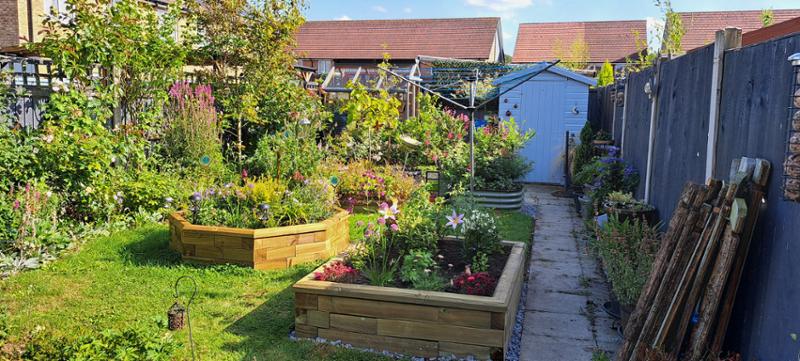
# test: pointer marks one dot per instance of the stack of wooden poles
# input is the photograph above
(685, 307)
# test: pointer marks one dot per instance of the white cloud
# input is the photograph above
(507, 35)
(407, 10)
(500, 5)
(380, 9)
(344, 17)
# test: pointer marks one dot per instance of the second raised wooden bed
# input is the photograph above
(412, 322)
(263, 249)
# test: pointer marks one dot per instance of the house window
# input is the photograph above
(324, 66)
(58, 5)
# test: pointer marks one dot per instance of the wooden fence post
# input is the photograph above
(654, 85)
(728, 38)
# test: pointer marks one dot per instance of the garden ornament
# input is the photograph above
(176, 313)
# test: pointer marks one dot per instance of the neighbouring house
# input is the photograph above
(354, 44)
(700, 27)
(592, 42)
(22, 20)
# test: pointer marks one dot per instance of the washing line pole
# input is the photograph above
(473, 89)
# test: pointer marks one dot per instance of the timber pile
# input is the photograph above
(686, 304)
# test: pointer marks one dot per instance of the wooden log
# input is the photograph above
(358, 324)
(653, 310)
(690, 193)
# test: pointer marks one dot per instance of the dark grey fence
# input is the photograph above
(755, 95)
(32, 82)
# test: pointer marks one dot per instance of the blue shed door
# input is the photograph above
(543, 112)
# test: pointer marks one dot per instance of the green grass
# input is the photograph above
(115, 281)
(515, 226)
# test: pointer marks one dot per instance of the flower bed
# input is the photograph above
(409, 321)
(267, 248)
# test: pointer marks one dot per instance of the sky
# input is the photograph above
(514, 12)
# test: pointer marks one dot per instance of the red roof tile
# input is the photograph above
(701, 26)
(607, 40)
(469, 38)
(771, 32)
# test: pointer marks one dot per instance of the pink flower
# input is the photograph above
(244, 173)
(381, 221)
(16, 204)
(394, 227)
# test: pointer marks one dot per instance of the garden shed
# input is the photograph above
(551, 103)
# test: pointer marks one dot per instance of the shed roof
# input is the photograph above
(522, 74)
(606, 40)
(464, 38)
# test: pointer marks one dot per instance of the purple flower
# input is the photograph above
(195, 197)
(613, 151)
(630, 171)
(381, 221)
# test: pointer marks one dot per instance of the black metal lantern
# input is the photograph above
(176, 316)
(791, 166)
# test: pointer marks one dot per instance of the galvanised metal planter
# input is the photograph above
(500, 200)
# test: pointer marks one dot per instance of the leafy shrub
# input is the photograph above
(421, 271)
(583, 153)
(420, 226)
(501, 173)
(337, 272)
(287, 155)
(627, 249)
(30, 227)
(256, 205)
(191, 130)
(622, 200)
(135, 344)
(608, 174)
(476, 284)
(480, 234)
(17, 157)
(147, 190)
(365, 183)
(437, 130)
(372, 120)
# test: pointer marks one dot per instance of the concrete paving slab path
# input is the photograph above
(564, 320)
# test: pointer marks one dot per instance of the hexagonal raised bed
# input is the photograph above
(413, 322)
(267, 248)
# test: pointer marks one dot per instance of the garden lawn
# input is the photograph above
(119, 280)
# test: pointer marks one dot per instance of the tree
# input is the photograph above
(606, 74)
(248, 45)
(576, 57)
(673, 29)
(767, 17)
(121, 52)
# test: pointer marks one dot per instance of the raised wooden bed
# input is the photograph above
(268, 248)
(412, 322)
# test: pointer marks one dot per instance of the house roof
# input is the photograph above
(606, 40)
(771, 32)
(535, 68)
(700, 27)
(467, 38)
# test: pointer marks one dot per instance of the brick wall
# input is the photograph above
(9, 24)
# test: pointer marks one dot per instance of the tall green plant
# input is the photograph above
(606, 74)
(249, 46)
(192, 132)
(583, 152)
(767, 17)
(671, 42)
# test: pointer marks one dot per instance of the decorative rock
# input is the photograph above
(797, 98)
(791, 195)
(796, 121)
(792, 185)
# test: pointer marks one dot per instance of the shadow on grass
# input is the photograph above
(152, 249)
(264, 330)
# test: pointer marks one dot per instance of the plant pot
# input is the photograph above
(586, 207)
(417, 323)
(500, 200)
(262, 249)
(648, 215)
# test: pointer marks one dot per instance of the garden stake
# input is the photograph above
(188, 304)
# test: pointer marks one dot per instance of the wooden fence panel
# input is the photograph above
(682, 127)
(637, 124)
(753, 120)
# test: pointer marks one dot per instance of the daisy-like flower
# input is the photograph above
(388, 212)
(455, 219)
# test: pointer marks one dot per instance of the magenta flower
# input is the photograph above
(394, 227)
